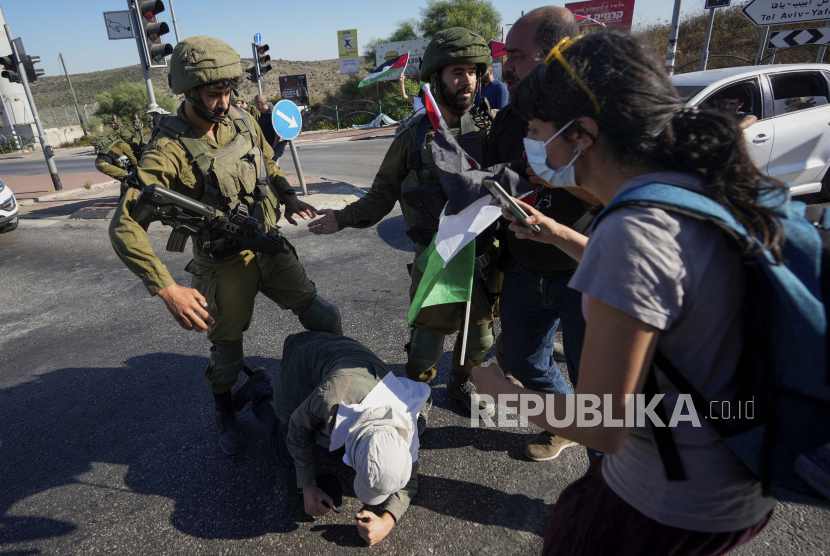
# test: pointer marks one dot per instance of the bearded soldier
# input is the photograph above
(216, 154)
(453, 64)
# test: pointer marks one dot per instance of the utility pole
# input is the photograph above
(175, 22)
(74, 98)
(47, 150)
(674, 32)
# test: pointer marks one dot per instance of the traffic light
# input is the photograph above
(151, 32)
(263, 59)
(28, 61)
(9, 69)
(252, 73)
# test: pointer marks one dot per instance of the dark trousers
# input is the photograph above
(275, 431)
(531, 307)
(589, 518)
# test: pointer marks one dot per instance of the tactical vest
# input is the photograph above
(473, 139)
(103, 147)
(232, 174)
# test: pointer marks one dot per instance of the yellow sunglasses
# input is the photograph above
(556, 52)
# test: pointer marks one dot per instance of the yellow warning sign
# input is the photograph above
(347, 43)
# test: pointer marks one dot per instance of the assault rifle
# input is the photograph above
(216, 234)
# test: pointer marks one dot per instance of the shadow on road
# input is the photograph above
(393, 232)
(154, 418)
(147, 428)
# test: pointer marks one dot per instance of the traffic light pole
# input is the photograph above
(148, 82)
(74, 98)
(674, 32)
(256, 65)
(47, 150)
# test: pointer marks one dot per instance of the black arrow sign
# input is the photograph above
(781, 39)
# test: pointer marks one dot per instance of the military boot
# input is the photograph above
(242, 395)
(460, 387)
(230, 441)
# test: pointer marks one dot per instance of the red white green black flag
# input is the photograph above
(385, 69)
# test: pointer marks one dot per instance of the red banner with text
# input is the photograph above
(611, 13)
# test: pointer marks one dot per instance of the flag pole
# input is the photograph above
(464, 333)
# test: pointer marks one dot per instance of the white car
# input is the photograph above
(8, 209)
(791, 139)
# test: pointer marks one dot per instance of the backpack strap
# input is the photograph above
(662, 435)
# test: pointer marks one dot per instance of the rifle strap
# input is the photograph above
(416, 160)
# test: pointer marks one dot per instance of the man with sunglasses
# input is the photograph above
(535, 296)
(216, 154)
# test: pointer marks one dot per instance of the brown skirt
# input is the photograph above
(589, 519)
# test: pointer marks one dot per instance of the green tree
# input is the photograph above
(126, 99)
(476, 15)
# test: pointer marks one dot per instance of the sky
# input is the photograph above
(296, 30)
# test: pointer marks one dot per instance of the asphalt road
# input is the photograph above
(106, 426)
(353, 162)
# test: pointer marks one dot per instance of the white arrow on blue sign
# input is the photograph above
(287, 119)
(257, 38)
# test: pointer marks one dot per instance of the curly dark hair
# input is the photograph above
(642, 119)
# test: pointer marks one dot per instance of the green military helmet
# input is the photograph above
(126, 133)
(456, 45)
(201, 60)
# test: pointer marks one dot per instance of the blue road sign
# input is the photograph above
(286, 119)
(257, 38)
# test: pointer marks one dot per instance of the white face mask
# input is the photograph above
(537, 156)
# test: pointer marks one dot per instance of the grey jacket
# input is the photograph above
(320, 371)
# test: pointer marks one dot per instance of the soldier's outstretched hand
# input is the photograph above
(295, 206)
(187, 306)
(325, 225)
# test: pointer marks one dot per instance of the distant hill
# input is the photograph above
(52, 90)
(733, 34)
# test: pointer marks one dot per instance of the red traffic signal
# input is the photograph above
(151, 32)
(148, 9)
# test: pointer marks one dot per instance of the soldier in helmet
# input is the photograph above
(453, 63)
(134, 135)
(216, 154)
(109, 151)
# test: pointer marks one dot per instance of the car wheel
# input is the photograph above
(824, 194)
(10, 226)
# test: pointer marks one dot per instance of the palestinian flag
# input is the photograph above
(444, 281)
(386, 69)
(497, 50)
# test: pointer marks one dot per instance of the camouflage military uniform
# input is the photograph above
(408, 164)
(221, 173)
(110, 148)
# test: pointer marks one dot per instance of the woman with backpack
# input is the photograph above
(603, 116)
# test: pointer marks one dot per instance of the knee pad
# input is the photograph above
(425, 349)
(479, 340)
(322, 316)
(225, 365)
